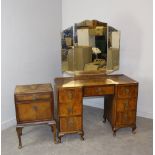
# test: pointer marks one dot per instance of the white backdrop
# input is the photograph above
(30, 47)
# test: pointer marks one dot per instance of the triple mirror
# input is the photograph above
(90, 47)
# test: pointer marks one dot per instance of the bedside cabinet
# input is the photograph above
(34, 105)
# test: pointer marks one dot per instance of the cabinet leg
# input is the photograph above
(82, 135)
(19, 134)
(53, 128)
(104, 119)
(59, 139)
(134, 130)
(114, 131)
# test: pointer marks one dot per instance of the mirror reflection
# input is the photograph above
(90, 46)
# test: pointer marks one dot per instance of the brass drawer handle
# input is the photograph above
(127, 90)
(34, 97)
(35, 108)
(70, 110)
(126, 117)
(71, 123)
(126, 104)
(70, 96)
(98, 90)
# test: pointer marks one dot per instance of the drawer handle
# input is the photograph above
(69, 110)
(34, 97)
(126, 117)
(35, 108)
(126, 90)
(98, 90)
(70, 96)
(126, 104)
(70, 123)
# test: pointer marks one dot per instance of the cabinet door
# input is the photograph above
(70, 124)
(34, 111)
(125, 118)
(126, 104)
(70, 101)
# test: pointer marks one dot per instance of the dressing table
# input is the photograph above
(120, 103)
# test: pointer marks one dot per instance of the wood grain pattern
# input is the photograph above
(98, 90)
(34, 111)
(34, 105)
(120, 104)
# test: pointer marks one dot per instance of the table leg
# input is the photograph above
(19, 134)
(53, 128)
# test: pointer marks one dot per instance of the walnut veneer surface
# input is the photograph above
(34, 105)
(120, 108)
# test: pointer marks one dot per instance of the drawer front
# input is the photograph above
(32, 97)
(126, 118)
(70, 124)
(36, 111)
(126, 104)
(98, 90)
(70, 101)
(127, 91)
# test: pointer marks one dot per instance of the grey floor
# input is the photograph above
(38, 140)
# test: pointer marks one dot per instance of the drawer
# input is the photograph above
(98, 90)
(70, 124)
(35, 111)
(126, 104)
(127, 91)
(30, 97)
(126, 118)
(70, 101)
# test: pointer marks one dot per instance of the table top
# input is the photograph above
(34, 88)
(96, 80)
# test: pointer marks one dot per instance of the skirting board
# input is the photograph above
(8, 123)
(145, 114)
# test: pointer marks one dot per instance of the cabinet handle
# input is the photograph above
(35, 108)
(126, 90)
(34, 97)
(126, 104)
(126, 117)
(70, 110)
(70, 123)
(98, 90)
(70, 96)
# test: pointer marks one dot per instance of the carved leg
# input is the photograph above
(104, 119)
(134, 129)
(82, 135)
(114, 131)
(59, 139)
(19, 134)
(53, 128)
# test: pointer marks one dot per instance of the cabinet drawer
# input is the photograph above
(70, 101)
(98, 90)
(126, 104)
(126, 118)
(35, 111)
(31, 97)
(127, 91)
(70, 124)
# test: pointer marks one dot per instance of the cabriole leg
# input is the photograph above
(19, 134)
(82, 135)
(53, 128)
